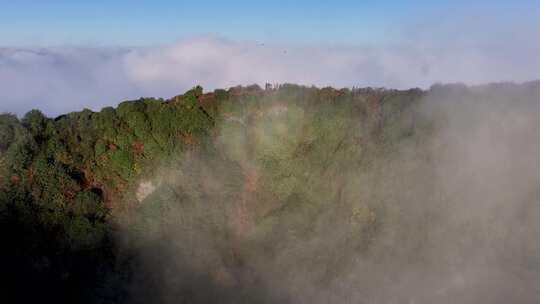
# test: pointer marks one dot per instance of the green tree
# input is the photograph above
(35, 122)
(7, 132)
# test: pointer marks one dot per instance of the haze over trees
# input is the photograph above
(285, 194)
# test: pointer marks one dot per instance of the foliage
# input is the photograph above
(63, 181)
(7, 125)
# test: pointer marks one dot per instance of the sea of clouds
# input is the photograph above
(62, 79)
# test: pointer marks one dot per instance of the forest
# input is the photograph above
(282, 194)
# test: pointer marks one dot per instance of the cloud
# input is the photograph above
(58, 80)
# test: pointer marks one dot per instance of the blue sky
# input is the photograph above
(136, 23)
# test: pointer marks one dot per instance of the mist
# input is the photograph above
(430, 199)
(353, 152)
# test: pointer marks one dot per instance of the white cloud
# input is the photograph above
(57, 80)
